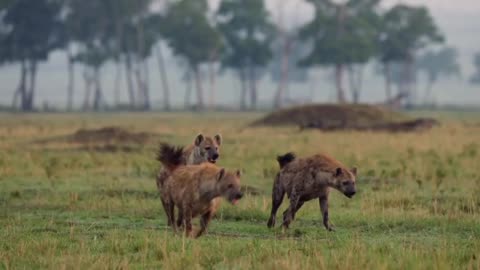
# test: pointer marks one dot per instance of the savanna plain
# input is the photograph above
(69, 204)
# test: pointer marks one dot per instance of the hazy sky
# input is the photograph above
(459, 20)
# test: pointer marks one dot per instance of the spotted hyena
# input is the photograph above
(203, 149)
(195, 189)
(304, 179)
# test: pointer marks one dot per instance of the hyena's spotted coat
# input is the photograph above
(203, 149)
(304, 179)
(195, 189)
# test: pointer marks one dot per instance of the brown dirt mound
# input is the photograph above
(109, 135)
(329, 116)
(419, 124)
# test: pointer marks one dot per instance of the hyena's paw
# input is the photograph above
(271, 222)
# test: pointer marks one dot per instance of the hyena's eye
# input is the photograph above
(230, 186)
(345, 183)
(207, 148)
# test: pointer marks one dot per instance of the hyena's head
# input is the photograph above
(208, 148)
(344, 181)
(228, 185)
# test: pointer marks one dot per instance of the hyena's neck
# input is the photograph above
(324, 178)
(208, 191)
(195, 157)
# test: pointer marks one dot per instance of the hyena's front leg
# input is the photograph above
(170, 211)
(166, 209)
(180, 217)
(204, 220)
(187, 220)
(324, 208)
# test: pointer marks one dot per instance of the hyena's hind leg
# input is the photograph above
(295, 205)
(180, 218)
(277, 197)
(169, 207)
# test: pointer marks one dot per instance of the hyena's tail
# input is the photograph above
(170, 156)
(285, 159)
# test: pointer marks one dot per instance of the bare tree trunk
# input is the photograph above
(142, 78)
(20, 92)
(311, 94)
(351, 80)
(121, 44)
(339, 83)
(198, 83)
(188, 90)
(428, 92)
(211, 73)
(141, 71)
(414, 82)
(253, 88)
(98, 96)
(243, 84)
(16, 96)
(355, 76)
(164, 78)
(128, 71)
(282, 86)
(88, 88)
(30, 93)
(117, 84)
(146, 85)
(388, 81)
(408, 81)
(71, 80)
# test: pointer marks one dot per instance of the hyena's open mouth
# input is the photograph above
(213, 161)
(234, 200)
(350, 194)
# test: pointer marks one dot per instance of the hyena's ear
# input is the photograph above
(354, 171)
(220, 174)
(338, 172)
(218, 139)
(199, 139)
(238, 173)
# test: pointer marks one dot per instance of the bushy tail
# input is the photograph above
(285, 159)
(170, 156)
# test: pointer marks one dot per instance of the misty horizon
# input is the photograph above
(458, 21)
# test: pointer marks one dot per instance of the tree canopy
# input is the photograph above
(238, 36)
(342, 34)
(248, 34)
(405, 30)
(31, 30)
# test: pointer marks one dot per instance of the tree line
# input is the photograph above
(239, 37)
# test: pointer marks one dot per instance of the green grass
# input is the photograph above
(64, 207)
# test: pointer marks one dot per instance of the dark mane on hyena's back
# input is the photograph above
(285, 159)
(170, 156)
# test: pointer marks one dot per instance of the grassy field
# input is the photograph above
(65, 206)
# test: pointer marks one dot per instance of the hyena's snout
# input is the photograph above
(235, 197)
(348, 188)
(350, 194)
(212, 156)
(350, 191)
